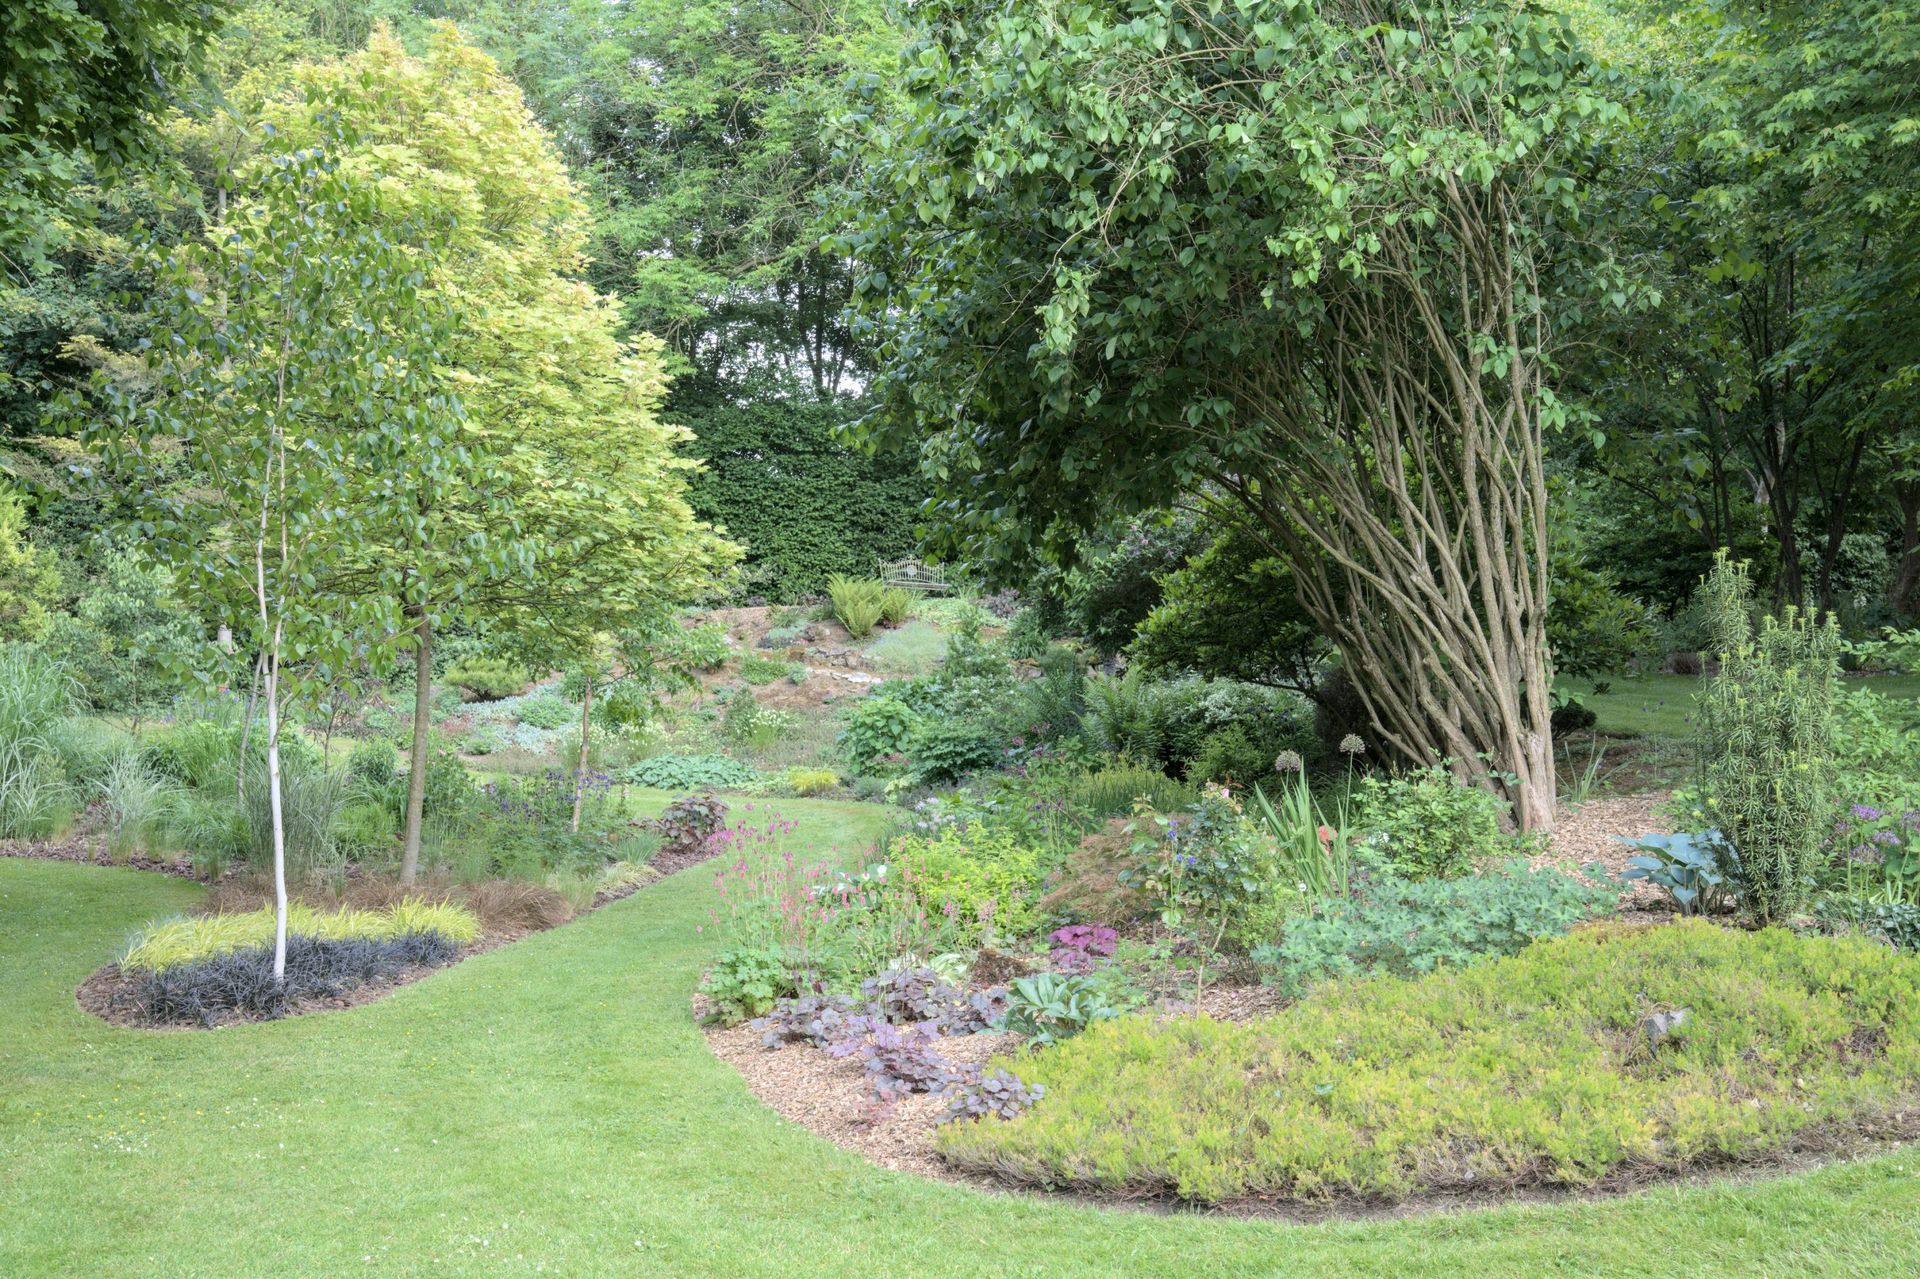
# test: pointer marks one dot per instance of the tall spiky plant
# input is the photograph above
(1765, 737)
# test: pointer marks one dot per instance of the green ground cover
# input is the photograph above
(550, 1108)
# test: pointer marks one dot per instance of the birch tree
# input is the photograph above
(291, 357)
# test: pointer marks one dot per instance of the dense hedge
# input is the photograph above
(802, 504)
(1544, 1068)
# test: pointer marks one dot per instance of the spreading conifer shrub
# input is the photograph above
(1611, 1050)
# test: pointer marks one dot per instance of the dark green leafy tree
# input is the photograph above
(703, 127)
(1232, 612)
(81, 85)
(1313, 257)
(1770, 192)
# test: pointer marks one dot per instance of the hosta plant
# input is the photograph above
(1696, 870)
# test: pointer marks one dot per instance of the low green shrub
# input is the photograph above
(1544, 1068)
(758, 670)
(484, 740)
(1114, 789)
(191, 938)
(946, 750)
(1897, 922)
(1426, 823)
(745, 981)
(878, 727)
(986, 881)
(201, 753)
(858, 603)
(372, 765)
(486, 679)
(895, 603)
(811, 781)
(690, 772)
(1408, 927)
(1048, 1007)
(139, 806)
(212, 829)
(914, 649)
(749, 725)
(365, 831)
(546, 710)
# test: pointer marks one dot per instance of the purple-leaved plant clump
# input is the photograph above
(1079, 948)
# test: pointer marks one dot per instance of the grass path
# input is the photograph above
(550, 1108)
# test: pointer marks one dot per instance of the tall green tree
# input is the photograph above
(553, 509)
(82, 83)
(1771, 192)
(292, 354)
(1309, 257)
(703, 127)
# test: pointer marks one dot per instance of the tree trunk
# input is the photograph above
(279, 821)
(417, 766)
(580, 773)
(1906, 577)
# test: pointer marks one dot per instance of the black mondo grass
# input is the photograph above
(241, 981)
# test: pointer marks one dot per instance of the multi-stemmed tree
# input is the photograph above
(1308, 258)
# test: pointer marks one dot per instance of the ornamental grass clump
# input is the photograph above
(1535, 1070)
(191, 939)
(1765, 741)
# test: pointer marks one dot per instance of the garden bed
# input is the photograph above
(507, 910)
(1760, 1087)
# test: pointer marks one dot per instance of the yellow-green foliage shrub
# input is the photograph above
(812, 781)
(184, 940)
(1534, 1069)
(986, 882)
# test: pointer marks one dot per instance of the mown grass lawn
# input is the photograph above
(1662, 705)
(550, 1108)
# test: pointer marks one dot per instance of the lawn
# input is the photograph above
(1662, 705)
(550, 1108)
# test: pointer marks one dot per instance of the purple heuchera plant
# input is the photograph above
(996, 1093)
(1078, 948)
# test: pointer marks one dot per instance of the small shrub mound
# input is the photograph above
(240, 982)
(1552, 1067)
(189, 940)
(684, 772)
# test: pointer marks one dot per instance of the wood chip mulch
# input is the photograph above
(1587, 834)
(82, 850)
(831, 1097)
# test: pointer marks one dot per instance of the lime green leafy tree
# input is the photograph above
(553, 508)
(1310, 257)
(29, 579)
(292, 356)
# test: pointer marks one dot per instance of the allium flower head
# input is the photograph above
(1288, 762)
(1352, 745)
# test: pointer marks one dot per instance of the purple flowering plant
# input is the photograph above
(1876, 848)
